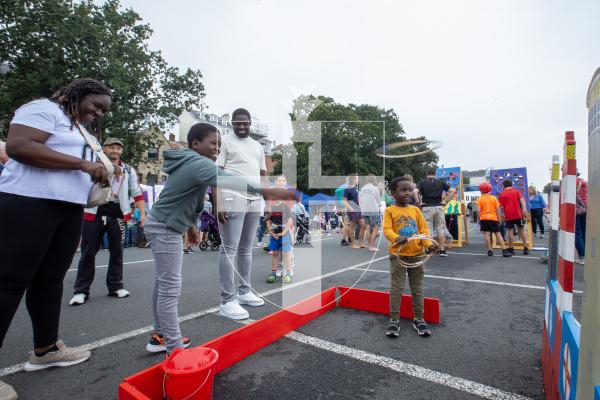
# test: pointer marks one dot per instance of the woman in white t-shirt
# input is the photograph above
(46, 184)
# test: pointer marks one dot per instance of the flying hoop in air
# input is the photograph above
(384, 151)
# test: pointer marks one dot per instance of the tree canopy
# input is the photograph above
(45, 44)
(351, 134)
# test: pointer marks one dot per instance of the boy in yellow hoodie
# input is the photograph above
(400, 222)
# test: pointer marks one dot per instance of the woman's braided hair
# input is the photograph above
(70, 97)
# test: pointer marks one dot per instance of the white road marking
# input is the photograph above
(415, 371)
(484, 254)
(453, 278)
(151, 259)
(125, 263)
(117, 338)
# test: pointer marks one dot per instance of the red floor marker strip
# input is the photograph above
(379, 302)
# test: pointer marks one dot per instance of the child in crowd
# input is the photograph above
(400, 222)
(191, 172)
(207, 210)
(515, 214)
(489, 219)
(281, 182)
(278, 226)
(452, 210)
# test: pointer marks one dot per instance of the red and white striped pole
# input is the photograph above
(566, 247)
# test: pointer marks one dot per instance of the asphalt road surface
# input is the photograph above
(488, 344)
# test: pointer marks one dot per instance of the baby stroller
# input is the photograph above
(209, 222)
(302, 233)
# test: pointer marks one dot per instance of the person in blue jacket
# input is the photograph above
(538, 205)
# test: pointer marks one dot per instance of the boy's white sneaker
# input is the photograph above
(250, 299)
(233, 310)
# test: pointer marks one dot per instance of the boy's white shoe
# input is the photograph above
(250, 299)
(233, 310)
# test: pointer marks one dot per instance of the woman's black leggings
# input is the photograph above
(537, 218)
(38, 239)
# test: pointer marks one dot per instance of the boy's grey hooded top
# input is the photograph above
(190, 175)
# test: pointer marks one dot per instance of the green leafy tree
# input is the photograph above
(45, 44)
(351, 134)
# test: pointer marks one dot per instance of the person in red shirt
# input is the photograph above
(515, 214)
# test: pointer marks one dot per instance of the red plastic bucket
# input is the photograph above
(189, 374)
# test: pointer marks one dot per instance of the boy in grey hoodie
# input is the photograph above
(191, 172)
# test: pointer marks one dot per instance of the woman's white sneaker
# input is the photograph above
(233, 310)
(250, 299)
(63, 357)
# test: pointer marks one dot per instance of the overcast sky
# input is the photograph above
(498, 82)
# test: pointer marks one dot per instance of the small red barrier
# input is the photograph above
(379, 302)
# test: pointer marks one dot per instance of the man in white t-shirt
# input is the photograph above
(370, 207)
(3, 156)
(238, 216)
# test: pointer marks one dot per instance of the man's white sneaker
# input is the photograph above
(119, 294)
(78, 299)
(7, 392)
(233, 310)
(250, 299)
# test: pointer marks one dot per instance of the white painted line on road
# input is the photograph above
(453, 278)
(125, 263)
(415, 371)
(484, 254)
(151, 259)
(117, 338)
(440, 378)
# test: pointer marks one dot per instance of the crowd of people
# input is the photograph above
(52, 168)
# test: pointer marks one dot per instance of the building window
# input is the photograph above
(152, 153)
(163, 178)
(151, 180)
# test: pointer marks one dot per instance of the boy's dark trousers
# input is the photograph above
(397, 281)
(91, 238)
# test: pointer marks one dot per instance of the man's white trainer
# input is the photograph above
(78, 299)
(233, 310)
(250, 299)
(120, 294)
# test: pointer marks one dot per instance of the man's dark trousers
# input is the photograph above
(91, 239)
